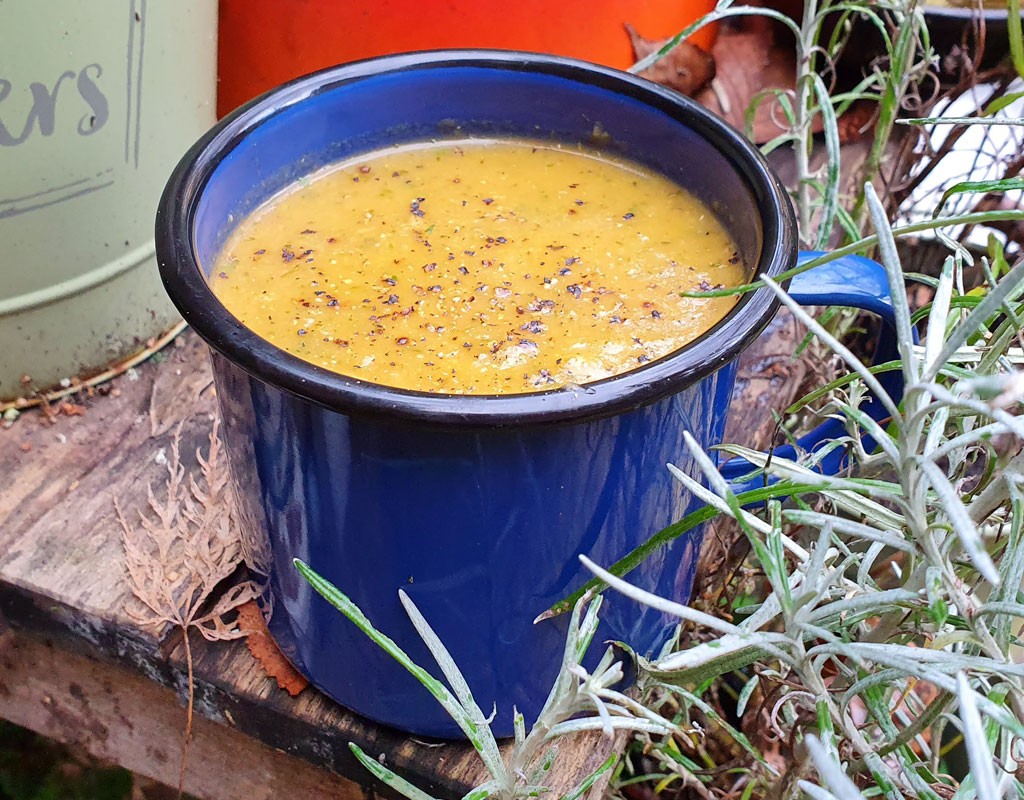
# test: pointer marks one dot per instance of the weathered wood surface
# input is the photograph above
(234, 690)
(62, 570)
(59, 538)
(116, 714)
(768, 379)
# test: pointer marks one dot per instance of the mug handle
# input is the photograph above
(856, 282)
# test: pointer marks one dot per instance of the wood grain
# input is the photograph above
(234, 688)
(61, 571)
(116, 714)
(59, 540)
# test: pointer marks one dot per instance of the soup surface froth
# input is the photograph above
(479, 267)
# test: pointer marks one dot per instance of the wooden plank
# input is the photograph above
(233, 688)
(59, 539)
(61, 568)
(768, 379)
(52, 687)
(61, 563)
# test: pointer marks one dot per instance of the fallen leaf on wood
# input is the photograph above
(49, 415)
(184, 544)
(266, 651)
(687, 68)
(180, 549)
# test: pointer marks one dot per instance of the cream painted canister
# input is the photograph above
(98, 101)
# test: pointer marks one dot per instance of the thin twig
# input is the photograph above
(45, 398)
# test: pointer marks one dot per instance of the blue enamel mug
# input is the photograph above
(476, 506)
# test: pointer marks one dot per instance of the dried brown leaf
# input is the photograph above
(687, 68)
(266, 651)
(751, 64)
(213, 626)
(69, 409)
(185, 544)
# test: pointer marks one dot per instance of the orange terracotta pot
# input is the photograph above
(266, 42)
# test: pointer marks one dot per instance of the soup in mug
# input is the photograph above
(479, 267)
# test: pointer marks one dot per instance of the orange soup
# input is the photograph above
(479, 267)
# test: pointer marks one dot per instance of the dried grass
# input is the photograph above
(184, 545)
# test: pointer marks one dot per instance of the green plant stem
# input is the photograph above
(919, 724)
(898, 78)
(804, 141)
(867, 243)
(1013, 25)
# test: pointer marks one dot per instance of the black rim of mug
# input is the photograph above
(187, 287)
